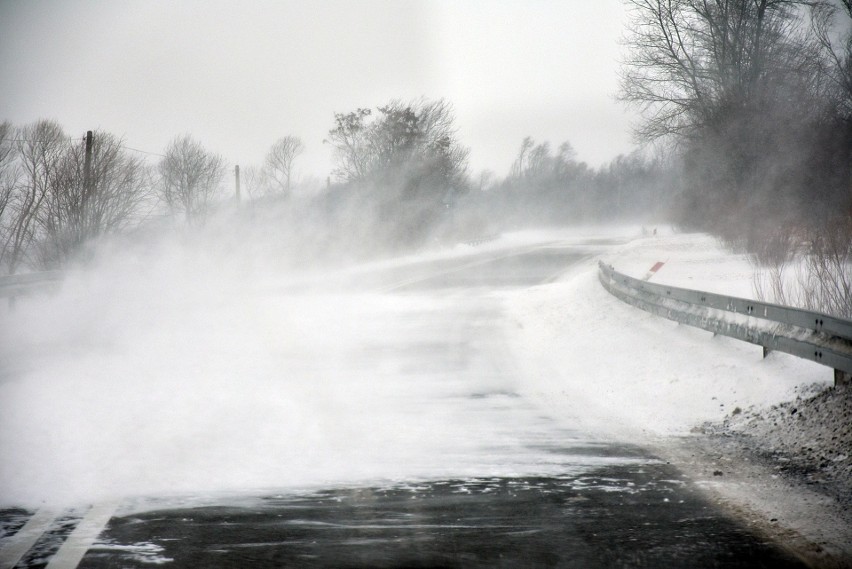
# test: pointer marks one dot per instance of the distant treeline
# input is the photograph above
(748, 103)
(552, 188)
(401, 181)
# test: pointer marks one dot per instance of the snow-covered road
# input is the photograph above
(139, 386)
(180, 381)
(179, 374)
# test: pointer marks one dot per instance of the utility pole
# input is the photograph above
(237, 176)
(87, 167)
(87, 177)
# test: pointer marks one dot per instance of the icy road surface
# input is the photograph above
(378, 416)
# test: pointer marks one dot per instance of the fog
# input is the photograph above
(197, 367)
(193, 365)
(371, 306)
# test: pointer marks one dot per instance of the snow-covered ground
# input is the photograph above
(183, 372)
(187, 368)
(641, 373)
(770, 438)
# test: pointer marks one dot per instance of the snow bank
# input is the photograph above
(589, 357)
(812, 432)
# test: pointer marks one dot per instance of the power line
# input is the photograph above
(68, 139)
(143, 151)
(76, 139)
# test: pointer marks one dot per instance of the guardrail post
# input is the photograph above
(842, 378)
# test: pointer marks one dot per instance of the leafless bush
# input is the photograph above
(772, 258)
(827, 278)
(813, 272)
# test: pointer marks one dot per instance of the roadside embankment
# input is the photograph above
(784, 467)
(768, 438)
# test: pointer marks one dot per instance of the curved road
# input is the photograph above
(512, 486)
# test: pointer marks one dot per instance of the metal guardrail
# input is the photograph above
(810, 335)
(12, 286)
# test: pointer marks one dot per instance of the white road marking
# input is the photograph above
(83, 536)
(17, 545)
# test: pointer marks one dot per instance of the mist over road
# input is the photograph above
(391, 430)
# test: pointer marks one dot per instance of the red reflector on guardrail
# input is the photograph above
(653, 270)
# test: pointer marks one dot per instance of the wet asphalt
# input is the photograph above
(619, 516)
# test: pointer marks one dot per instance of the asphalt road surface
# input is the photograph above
(527, 491)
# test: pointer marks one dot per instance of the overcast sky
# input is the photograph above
(238, 75)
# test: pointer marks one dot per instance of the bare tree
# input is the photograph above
(540, 160)
(400, 136)
(254, 181)
(8, 171)
(689, 60)
(519, 166)
(350, 138)
(404, 163)
(279, 162)
(536, 163)
(190, 177)
(753, 104)
(837, 52)
(75, 213)
(40, 148)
